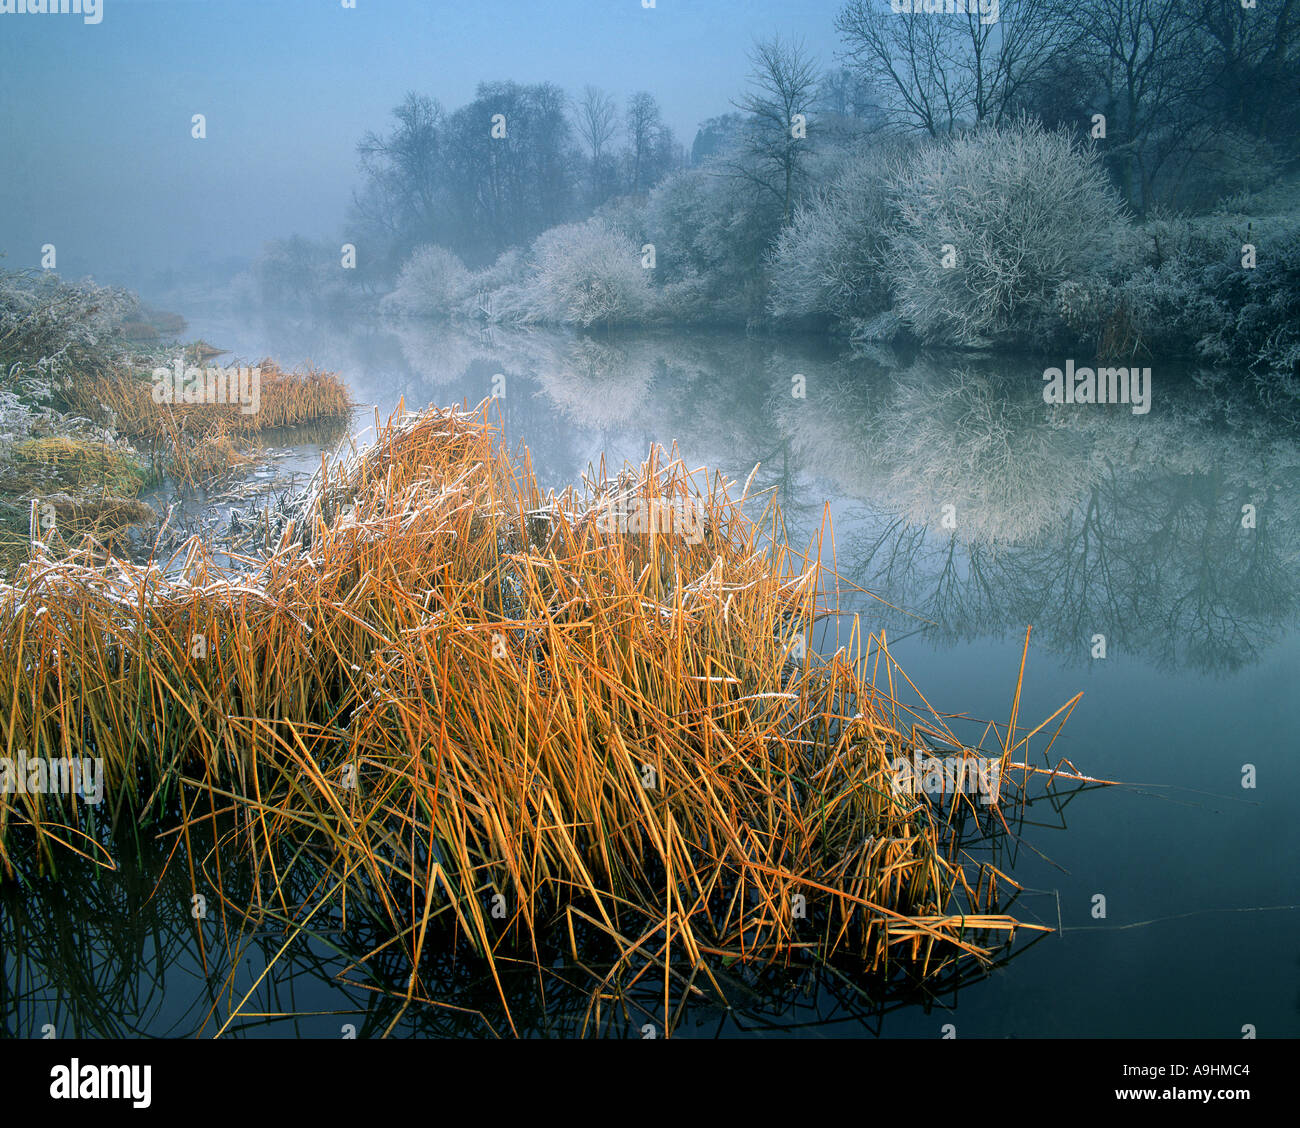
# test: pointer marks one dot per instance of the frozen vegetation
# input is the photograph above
(1020, 191)
(1011, 236)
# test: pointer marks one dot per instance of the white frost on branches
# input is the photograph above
(829, 261)
(588, 273)
(1024, 210)
(433, 283)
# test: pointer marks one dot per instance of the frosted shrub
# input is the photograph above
(685, 299)
(500, 292)
(585, 273)
(625, 215)
(712, 229)
(677, 218)
(1189, 294)
(1166, 302)
(829, 262)
(45, 318)
(433, 283)
(1084, 305)
(1251, 318)
(509, 269)
(1020, 209)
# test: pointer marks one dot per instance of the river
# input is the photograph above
(969, 509)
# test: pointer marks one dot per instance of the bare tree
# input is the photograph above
(1252, 58)
(1144, 53)
(597, 125)
(936, 72)
(405, 166)
(783, 87)
(643, 125)
(843, 93)
(904, 59)
(597, 120)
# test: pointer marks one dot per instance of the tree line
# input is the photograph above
(800, 201)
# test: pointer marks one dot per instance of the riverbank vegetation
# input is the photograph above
(1007, 237)
(445, 702)
(81, 432)
(982, 186)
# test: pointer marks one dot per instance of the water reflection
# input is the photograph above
(121, 954)
(1081, 520)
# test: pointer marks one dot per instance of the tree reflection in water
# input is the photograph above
(1077, 518)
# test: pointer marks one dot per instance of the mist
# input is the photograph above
(99, 160)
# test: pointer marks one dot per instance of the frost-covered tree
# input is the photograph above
(588, 273)
(433, 283)
(829, 262)
(988, 226)
(712, 232)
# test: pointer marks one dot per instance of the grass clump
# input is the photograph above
(476, 714)
(78, 462)
(197, 443)
(65, 489)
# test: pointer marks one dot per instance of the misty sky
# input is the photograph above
(96, 155)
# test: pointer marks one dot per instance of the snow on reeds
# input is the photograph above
(476, 713)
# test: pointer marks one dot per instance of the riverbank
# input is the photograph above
(469, 706)
(85, 429)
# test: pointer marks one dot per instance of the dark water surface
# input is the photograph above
(1079, 520)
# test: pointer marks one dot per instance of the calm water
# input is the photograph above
(1081, 520)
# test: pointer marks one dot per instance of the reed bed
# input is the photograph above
(68, 491)
(199, 442)
(478, 714)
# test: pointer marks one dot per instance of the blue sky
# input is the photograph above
(95, 142)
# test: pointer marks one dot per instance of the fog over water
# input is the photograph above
(785, 237)
(95, 126)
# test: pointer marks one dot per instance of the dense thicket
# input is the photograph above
(1116, 172)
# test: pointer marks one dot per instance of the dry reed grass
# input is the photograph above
(78, 462)
(198, 443)
(68, 492)
(473, 713)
